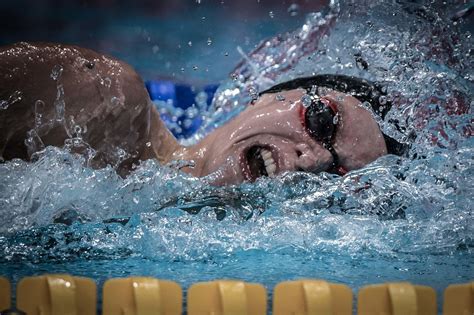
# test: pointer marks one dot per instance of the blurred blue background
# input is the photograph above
(192, 41)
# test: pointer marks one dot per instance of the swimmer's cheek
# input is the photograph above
(314, 161)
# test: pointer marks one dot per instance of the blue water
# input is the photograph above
(399, 218)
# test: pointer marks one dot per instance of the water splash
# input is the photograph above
(393, 205)
(58, 209)
(12, 99)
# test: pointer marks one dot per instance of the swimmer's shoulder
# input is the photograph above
(33, 54)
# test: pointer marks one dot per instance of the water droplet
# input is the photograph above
(271, 14)
(191, 112)
(148, 144)
(234, 76)
(59, 103)
(77, 130)
(33, 142)
(39, 109)
(121, 153)
(253, 92)
(12, 99)
(56, 72)
(360, 62)
(293, 9)
(322, 90)
(201, 99)
(187, 123)
(306, 100)
(115, 101)
(279, 97)
(107, 82)
(366, 105)
(89, 64)
(4, 104)
(179, 164)
(209, 41)
(182, 69)
(226, 54)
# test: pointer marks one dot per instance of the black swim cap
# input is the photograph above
(361, 89)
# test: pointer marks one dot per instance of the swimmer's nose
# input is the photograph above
(313, 160)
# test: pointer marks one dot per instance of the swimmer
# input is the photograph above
(51, 92)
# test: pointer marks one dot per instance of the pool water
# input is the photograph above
(399, 218)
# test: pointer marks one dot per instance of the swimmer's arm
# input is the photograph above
(161, 143)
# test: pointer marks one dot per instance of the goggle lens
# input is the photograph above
(319, 121)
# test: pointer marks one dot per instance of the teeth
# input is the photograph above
(271, 169)
(266, 154)
(270, 166)
(268, 161)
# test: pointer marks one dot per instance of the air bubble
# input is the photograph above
(209, 41)
(271, 14)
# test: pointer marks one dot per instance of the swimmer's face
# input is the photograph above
(270, 137)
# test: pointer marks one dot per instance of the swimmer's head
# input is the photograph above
(293, 128)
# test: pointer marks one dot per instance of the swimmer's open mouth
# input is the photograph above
(259, 162)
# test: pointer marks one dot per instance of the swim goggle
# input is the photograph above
(320, 119)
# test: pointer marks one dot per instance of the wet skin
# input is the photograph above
(277, 127)
(109, 101)
(104, 96)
